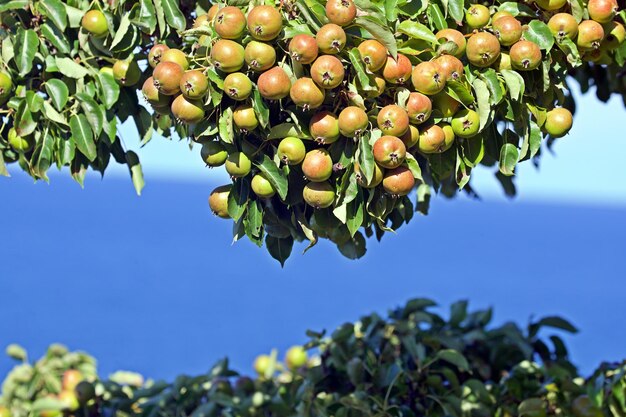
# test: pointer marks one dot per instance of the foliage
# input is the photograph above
(412, 363)
(67, 99)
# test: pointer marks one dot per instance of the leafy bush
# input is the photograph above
(412, 363)
(399, 96)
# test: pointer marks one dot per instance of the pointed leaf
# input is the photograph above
(83, 136)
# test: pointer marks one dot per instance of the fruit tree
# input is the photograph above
(328, 116)
(412, 363)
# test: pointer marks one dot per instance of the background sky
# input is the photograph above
(152, 283)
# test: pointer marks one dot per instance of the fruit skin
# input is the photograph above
(291, 150)
(590, 35)
(393, 120)
(558, 122)
(194, 84)
(615, 34)
(264, 23)
(602, 11)
(69, 399)
(483, 49)
(155, 54)
(245, 118)
(166, 78)
(341, 12)
(218, 201)
(324, 127)
(303, 48)
(477, 16)
(238, 165)
(418, 108)
(352, 121)
(563, 25)
(19, 143)
(230, 23)
(466, 123)
(70, 379)
(152, 94)
(306, 94)
(389, 151)
(445, 105)
(449, 132)
(95, 22)
(500, 13)
(411, 137)
(262, 364)
(317, 165)
(262, 187)
(213, 153)
(432, 140)
(4, 412)
(373, 54)
(319, 194)
(377, 178)
(227, 55)
(331, 38)
(525, 56)
(397, 71)
(237, 86)
(85, 392)
(259, 56)
(427, 78)
(380, 87)
(126, 72)
(274, 84)
(451, 67)
(453, 35)
(186, 110)
(508, 30)
(398, 181)
(177, 56)
(295, 357)
(6, 85)
(202, 19)
(213, 12)
(551, 5)
(327, 71)
(503, 62)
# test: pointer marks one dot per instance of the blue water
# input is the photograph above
(152, 284)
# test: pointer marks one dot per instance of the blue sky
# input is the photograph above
(153, 284)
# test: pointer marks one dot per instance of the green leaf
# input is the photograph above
(436, 17)
(454, 357)
(557, 323)
(274, 175)
(26, 46)
(226, 125)
(357, 64)
(493, 84)
(43, 155)
(48, 403)
(74, 16)
(56, 38)
(279, 248)
(53, 115)
(284, 130)
(3, 168)
(121, 30)
(380, 33)
(353, 248)
(509, 156)
(570, 50)
(260, 108)
(83, 136)
(58, 92)
(136, 173)
(539, 33)
(417, 30)
(93, 112)
(13, 5)
(24, 122)
(145, 17)
(484, 102)
(355, 213)
(71, 68)
(411, 162)
(366, 158)
(516, 8)
(55, 11)
(514, 83)
(459, 91)
(173, 15)
(238, 198)
(254, 219)
(109, 91)
(455, 10)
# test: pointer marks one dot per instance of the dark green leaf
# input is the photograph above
(93, 112)
(173, 15)
(83, 136)
(279, 248)
(274, 175)
(26, 46)
(55, 11)
(509, 156)
(56, 38)
(454, 357)
(109, 90)
(539, 33)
